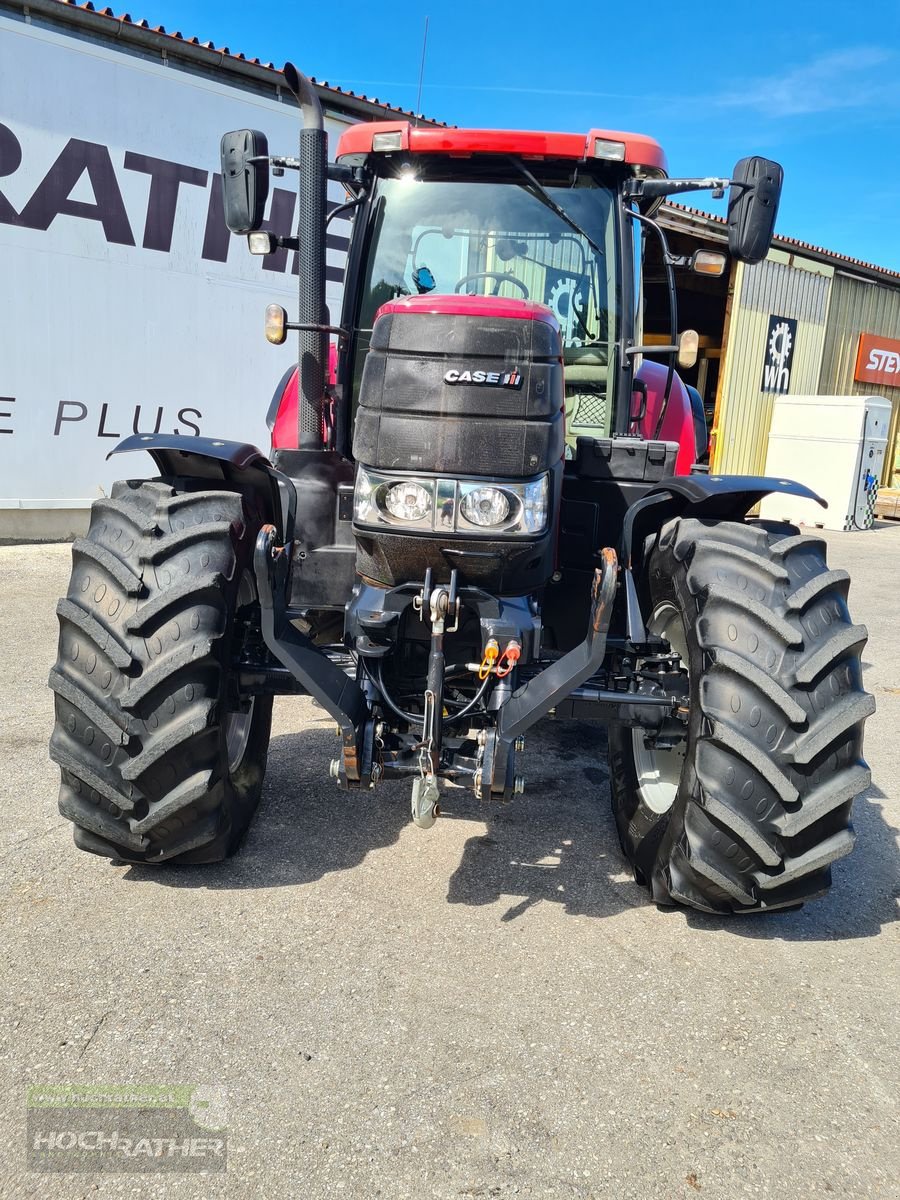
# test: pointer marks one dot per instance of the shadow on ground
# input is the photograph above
(556, 844)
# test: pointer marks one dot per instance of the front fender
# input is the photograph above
(237, 466)
(725, 497)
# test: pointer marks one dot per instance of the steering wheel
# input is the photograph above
(501, 278)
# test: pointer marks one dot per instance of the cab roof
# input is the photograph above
(359, 141)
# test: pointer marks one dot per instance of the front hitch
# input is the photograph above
(440, 606)
(541, 693)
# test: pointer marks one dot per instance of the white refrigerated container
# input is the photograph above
(836, 446)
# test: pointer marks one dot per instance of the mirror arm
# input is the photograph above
(338, 329)
(352, 177)
(349, 176)
(651, 350)
(649, 189)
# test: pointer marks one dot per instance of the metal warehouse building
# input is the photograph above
(806, 321)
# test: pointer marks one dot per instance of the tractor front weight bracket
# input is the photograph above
(340, 696)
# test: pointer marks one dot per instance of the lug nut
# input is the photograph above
(519, 785)
(520, 743)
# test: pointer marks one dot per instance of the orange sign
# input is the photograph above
(878, 360)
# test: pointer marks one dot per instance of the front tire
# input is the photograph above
(161, 760)
(757, 808)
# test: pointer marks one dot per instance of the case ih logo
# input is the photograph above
(507, 379)
(878, 360)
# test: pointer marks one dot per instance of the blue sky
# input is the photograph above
(814, 85)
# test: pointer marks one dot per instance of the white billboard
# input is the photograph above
(125, 305)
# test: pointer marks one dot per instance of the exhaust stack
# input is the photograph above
(312, 311)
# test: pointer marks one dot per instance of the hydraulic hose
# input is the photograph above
(415, 719)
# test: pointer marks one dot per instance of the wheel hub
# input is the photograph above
(659, 768)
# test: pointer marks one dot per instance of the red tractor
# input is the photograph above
(486, 512)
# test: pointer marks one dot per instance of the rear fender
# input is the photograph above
(236, 466)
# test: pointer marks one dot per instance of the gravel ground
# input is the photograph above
(491, 1008)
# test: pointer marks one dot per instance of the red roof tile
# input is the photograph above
(781, 240)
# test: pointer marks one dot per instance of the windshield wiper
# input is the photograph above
(546, 198)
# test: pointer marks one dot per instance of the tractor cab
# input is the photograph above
(526, 216)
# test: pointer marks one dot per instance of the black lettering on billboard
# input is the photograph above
(6, 412)
(280, 220)
(10, 160)
(101, 428)
(190, 424)
(165, 179)
(137, 420)
(217, 237)
(51, 197)
(60, 413)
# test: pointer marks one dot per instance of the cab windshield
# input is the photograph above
(502, 237)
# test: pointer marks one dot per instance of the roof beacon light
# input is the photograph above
(383, 142)
(614, 151)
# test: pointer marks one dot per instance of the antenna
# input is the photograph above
(421, 72)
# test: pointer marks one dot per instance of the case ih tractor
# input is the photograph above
(480, 515)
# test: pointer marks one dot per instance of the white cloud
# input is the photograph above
(850, 78)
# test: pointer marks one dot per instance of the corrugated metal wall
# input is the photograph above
(786, 286)
(858, 305)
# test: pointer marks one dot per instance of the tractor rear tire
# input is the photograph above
(752, 811)
(161, 761)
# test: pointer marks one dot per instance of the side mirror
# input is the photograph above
(752, 208)
(245, 179)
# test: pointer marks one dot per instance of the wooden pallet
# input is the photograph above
(888, 504)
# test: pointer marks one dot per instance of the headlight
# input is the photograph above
(407, 501)
(485, 506)
(462, 506)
